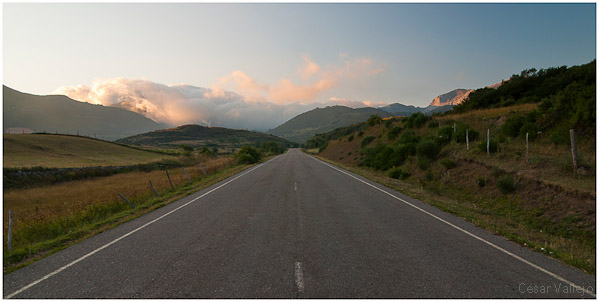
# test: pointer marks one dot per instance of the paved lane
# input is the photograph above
(297, 227)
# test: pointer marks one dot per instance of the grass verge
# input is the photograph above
(38, 235)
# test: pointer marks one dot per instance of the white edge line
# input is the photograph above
(126, 235)
(466, 232)
(299, 277)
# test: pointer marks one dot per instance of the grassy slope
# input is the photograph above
(199, 136)
(60, 151)
(302, 127)
(552, 208)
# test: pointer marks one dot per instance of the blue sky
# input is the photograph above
(379, 53)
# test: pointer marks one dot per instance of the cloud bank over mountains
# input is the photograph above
(256, 106)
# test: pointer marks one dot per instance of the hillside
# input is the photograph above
(57, 113)
(200, 136)
(302, 127)
(534, 195)
(62, 151)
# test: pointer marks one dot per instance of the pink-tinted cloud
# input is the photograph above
(314, 80)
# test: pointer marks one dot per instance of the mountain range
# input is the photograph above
(302, 127)
(58, 113)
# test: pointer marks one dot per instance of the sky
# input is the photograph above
(257, 65)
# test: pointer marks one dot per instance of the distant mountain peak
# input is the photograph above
(453, 97)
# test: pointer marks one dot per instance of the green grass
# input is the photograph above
(62, 151)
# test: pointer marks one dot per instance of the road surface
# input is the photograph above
(296, 227)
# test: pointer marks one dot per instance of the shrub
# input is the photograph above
(493, 147)
(506, 184)
(408, 137)
(460, 133)
(350, 138)
(433, 124)
(394, 132)
(360, 133)
(444, 135)
(428, 149)
(512, 126)
(398, 173)
(248, 155)
(388, 123)
(423, 163)
(531, 129)
(374, 120)
(419, 119)
(448, 164)
(481, 181)
(429, 175)
(367, 140)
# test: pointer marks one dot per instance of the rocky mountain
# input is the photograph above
(302, 127)
(453, 97)
(24, 113)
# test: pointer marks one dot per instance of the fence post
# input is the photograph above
(527, 147)
(467, 141)
(185, 173)
(573, 143)
(169, 178)
(153, 190)
(125, 199)
(488, 141)
(9, 230)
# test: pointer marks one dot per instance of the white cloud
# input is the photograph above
(184, 104)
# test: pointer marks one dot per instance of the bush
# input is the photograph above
(388, 123)
(423, 163)
(512, 126)
(248, 155)
(433, 124)
(493, 147)
(350, 138)
(448, 164)
(460, 133)
(360, 133)
(429, 175)
(271, 148)
(428, 149)
(444, 135)
(506, 184)
(531, 129)
(481, 181)
(398, 173)
(374, 120)
(367, 140)
(394, 132)
(408, 137)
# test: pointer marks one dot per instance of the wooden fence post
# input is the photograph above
(125, 199)
(153, 190)
(467, 141)
(527, 147)
(573, 144)
(169, 178)
(185, 173)
(9, 230)
(203, 170)
(488, 141)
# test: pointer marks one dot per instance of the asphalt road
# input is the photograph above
(295, 227)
